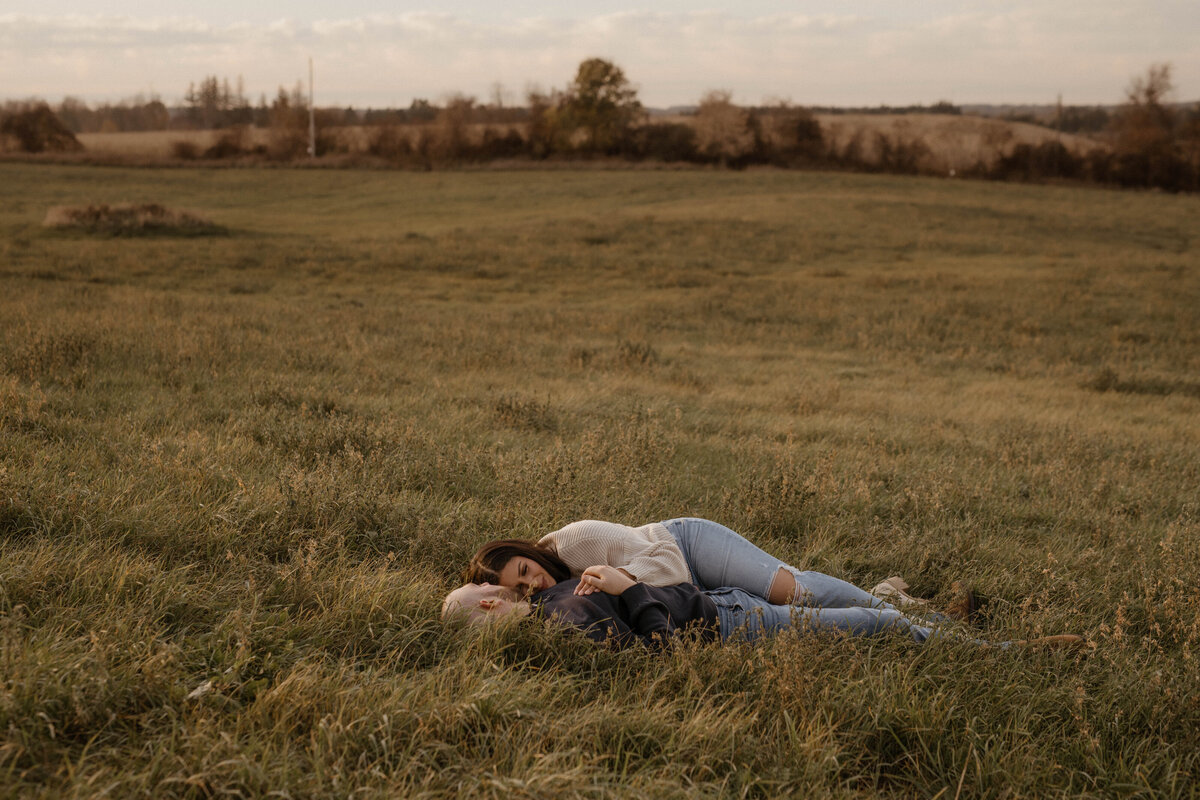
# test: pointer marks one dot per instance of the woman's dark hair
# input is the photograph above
(490, 559)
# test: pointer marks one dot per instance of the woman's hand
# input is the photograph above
(604, 578)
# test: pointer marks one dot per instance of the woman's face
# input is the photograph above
(525, 575)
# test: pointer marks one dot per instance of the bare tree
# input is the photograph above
(450, 136)
(723, 130)
(497, 95)
(1145, 129)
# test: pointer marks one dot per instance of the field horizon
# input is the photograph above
(954, 142)
(239, 470)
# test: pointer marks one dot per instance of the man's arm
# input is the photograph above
(597, 617)
(646, 615)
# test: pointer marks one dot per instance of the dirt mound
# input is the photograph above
(126, 219)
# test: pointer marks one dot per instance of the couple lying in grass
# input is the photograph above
(627, 585)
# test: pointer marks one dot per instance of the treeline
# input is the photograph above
(1067, 119)
(1146, 142)
(1153, 144)
(214, 104)
(137, 114)
(76, 116)
(598, 115)
(940, 107)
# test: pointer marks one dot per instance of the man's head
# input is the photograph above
(483, 601)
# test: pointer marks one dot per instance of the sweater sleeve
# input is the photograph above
(658, 564)
(649, 556)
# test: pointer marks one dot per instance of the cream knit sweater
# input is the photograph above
(648, 553)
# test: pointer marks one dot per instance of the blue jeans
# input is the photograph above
(746, 617)
(718, 558)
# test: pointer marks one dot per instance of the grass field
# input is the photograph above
(239, 471)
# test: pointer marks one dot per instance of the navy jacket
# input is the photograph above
(649, 614)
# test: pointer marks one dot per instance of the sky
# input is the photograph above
(811, 52)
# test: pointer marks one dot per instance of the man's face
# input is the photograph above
(483, 601)
(525, 575)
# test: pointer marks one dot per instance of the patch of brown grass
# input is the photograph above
(127, 219)
(149, 144)
(1107, 380)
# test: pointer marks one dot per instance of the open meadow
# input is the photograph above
(239, 470)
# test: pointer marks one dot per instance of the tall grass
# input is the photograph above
(238, 473)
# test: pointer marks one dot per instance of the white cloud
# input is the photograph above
(983, 51)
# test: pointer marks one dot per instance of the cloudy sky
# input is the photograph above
(819, 52)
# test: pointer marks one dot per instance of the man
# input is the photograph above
(624, 612)
(637, 612)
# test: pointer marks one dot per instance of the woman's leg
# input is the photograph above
(816, 589)
(747, 617)
(719, 557)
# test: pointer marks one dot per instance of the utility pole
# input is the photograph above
(1058, 132)
(312, 118)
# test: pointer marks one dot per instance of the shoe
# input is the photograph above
(1064, 641)
(894, 591)
(962, 606)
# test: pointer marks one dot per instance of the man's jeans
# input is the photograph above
(746, 617)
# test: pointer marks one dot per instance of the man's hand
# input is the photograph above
(604, 578)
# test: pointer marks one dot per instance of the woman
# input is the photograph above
(686, 550)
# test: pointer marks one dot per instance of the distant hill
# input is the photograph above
(953, 142)
(1046, 110)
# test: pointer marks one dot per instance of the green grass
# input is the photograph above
(238, 472)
